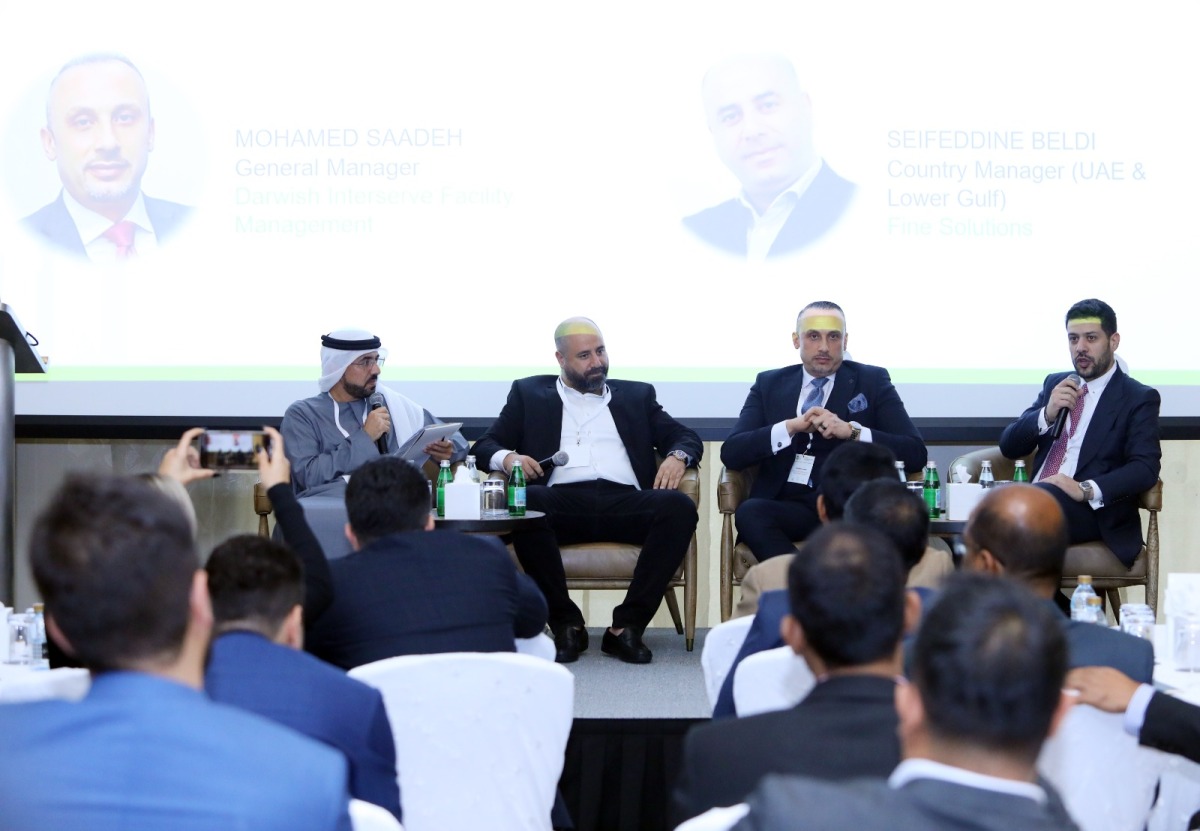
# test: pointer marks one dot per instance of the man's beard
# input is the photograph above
(592, 382)
(355, 391)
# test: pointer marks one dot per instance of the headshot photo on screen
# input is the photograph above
(99, 132)
(761, 122)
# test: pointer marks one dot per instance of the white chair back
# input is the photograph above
(1106, 779)
(480, 737)
(367, 816)
(720, 648)
(771, 680)
(716, 819)
(38, 685)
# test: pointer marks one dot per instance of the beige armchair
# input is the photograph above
(732, 489)
(1108, 573)
(610, 565)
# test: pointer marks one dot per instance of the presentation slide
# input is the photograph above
(191, 196)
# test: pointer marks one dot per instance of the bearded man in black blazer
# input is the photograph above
(611, 488)
(1108, 450)
(795, 416)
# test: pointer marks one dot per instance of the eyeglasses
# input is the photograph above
(366, 362)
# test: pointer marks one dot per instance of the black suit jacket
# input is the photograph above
(54, 223)
(774, 398)
(531, 424)
(724, 226)
(844, 729)
(424, 592)
(1172, 725)
(921, 805)
(1120, 453)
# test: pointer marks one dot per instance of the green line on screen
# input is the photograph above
(399, 374)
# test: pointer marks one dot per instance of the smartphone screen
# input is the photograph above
(232, 449)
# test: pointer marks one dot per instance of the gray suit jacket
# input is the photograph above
(788, 802)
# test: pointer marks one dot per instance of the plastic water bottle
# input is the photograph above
(986, 479)
(1079, 598)
(900, 472)
(472, 471)
(38, 647)
(1096, 611)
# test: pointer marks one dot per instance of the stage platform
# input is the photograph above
(627, 740)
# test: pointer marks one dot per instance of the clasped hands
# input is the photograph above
(820, 421)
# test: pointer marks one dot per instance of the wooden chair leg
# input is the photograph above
(673, 606)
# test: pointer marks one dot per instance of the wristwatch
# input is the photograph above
(680, 455)
(1088, 493)
(855, 430)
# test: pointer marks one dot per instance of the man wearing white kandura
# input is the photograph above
(354, 419)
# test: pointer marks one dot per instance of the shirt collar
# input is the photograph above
(913, 769)
(808, 379)
(575, 395)
(791, 194)
(91, 225)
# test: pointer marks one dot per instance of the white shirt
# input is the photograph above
(779, 434)
(1095, 388)
(91, 227)
(911, 769)
(589, 438)
(765, 227)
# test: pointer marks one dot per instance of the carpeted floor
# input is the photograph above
(670, 686)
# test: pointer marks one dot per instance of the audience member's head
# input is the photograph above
(386, 496)
(847, 598)
(1018, 530)
(177, 492)
(849, 465)
(988, 668)
(257, 585)
(116, 565)
(903, 517)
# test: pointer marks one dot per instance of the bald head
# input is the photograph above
(582, 356)
(1023, 530)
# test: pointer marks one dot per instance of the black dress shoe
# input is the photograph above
(569, 641)
(627, 646)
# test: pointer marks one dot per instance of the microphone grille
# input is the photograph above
(375, 401)
(561, 458)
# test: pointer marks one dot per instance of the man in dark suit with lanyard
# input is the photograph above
(792, 419)
(1106, 452)
(610, 488)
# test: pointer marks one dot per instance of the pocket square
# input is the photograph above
(858, 403)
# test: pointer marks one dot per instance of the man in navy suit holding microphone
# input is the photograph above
(1096, 435)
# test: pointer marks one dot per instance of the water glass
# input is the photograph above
(1187, 643)
(495, 500)
(20, 637)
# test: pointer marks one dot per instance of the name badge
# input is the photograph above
(802, 469)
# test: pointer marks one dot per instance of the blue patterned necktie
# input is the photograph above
(814, 395)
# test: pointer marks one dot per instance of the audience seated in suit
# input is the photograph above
(1161, 721)
(1019, 530)
(988, 668)
(407, 591)
(117, 567)
(849, 610)
(882, 504)
(257, 664)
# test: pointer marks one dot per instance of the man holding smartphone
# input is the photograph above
(354, 419)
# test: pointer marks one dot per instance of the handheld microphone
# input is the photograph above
(557, 460)
(375, 402)
(1060, 420)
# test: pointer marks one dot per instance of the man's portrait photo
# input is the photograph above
(761, 122)
(99, 132)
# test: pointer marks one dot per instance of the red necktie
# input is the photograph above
(121, 235)
(1058, 451)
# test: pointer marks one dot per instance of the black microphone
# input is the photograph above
(1060, 420)
(557, 460)
(375, 402)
